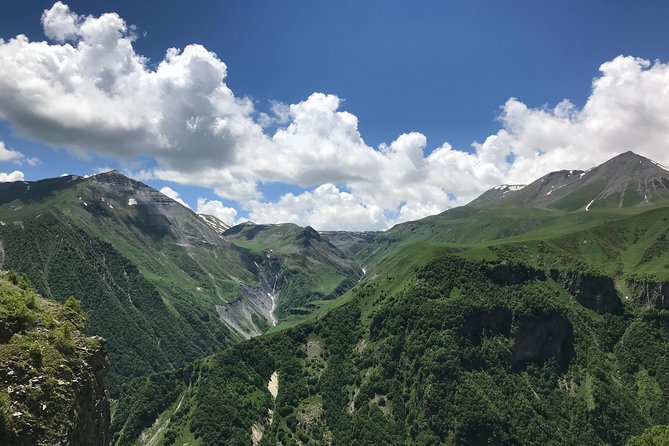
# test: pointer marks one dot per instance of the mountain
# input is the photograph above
(553, 205)
(466, 352)
(161, 283)
(297, 265)
(215, 223)
(515, 320)
(51, 374)
(626, 180)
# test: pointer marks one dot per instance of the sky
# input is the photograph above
(340, 115)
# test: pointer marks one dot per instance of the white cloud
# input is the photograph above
(216, 208)
(17, 175)
(15, 156)
(90, 90)
(324, 208)
(8, 154)
(174, 195)
(60, 23)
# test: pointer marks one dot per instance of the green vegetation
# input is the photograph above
(48, 369)
(146, 332)
(464, 353)
(521, 320)
(298, 264)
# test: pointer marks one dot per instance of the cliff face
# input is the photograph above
(51, 375)
(91, 411)
(541, 337)
(595, 292)
(650, 294)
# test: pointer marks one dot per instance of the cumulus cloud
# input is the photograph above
(88, 89)
(8, 154)
(15, 156)
(17, 175)
(174, 195)
(326, 207)
(216, 208)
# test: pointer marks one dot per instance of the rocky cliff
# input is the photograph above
(52, 390)
(592, 291)
(649, 293)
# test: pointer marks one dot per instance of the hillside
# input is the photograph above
(624, 181)
(487, 324)
(51, 374)
(551, 207)
(160, 282)
(298, 265)
(466, 353)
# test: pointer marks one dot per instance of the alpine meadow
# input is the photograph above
(194, 253)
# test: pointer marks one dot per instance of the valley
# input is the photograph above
(533, 315)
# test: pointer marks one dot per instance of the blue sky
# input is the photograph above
(440, 68)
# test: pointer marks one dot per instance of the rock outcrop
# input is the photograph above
(504, 274)
(592, 291)
(51, 375)
(542, 337)
(650, 293)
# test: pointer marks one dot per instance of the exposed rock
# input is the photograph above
(92, 424)
(651, 294)
(592, 291)
(494, 322)
(542, 337)
(67, 412)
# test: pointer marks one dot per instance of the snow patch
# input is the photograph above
(132, 202)
(587, 208)
(553, 189)
(509, 187)
(660, 166)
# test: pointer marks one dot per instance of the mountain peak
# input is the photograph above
(627, 158)
(626, 180)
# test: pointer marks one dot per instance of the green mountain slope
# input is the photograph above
(298, 265)
(521, 322)
(160, 282)
(549, 208)
(467, 353)
(150, 272)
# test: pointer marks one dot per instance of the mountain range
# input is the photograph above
(536, 314)
(160, 282)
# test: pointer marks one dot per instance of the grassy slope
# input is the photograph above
(630, 232)
(623, 243)
(152, 299)
(310, 270)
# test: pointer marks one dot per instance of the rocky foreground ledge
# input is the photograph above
(51, 390)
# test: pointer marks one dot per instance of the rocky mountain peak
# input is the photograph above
(625, 180)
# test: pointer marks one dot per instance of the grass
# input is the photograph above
(43, 342)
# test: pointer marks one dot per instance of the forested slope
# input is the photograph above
(467, 353)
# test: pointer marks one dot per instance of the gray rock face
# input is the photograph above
(72, 408)
(91, 411)
(650, 294)
(541, 337)
(595, 292)
(624, 181)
